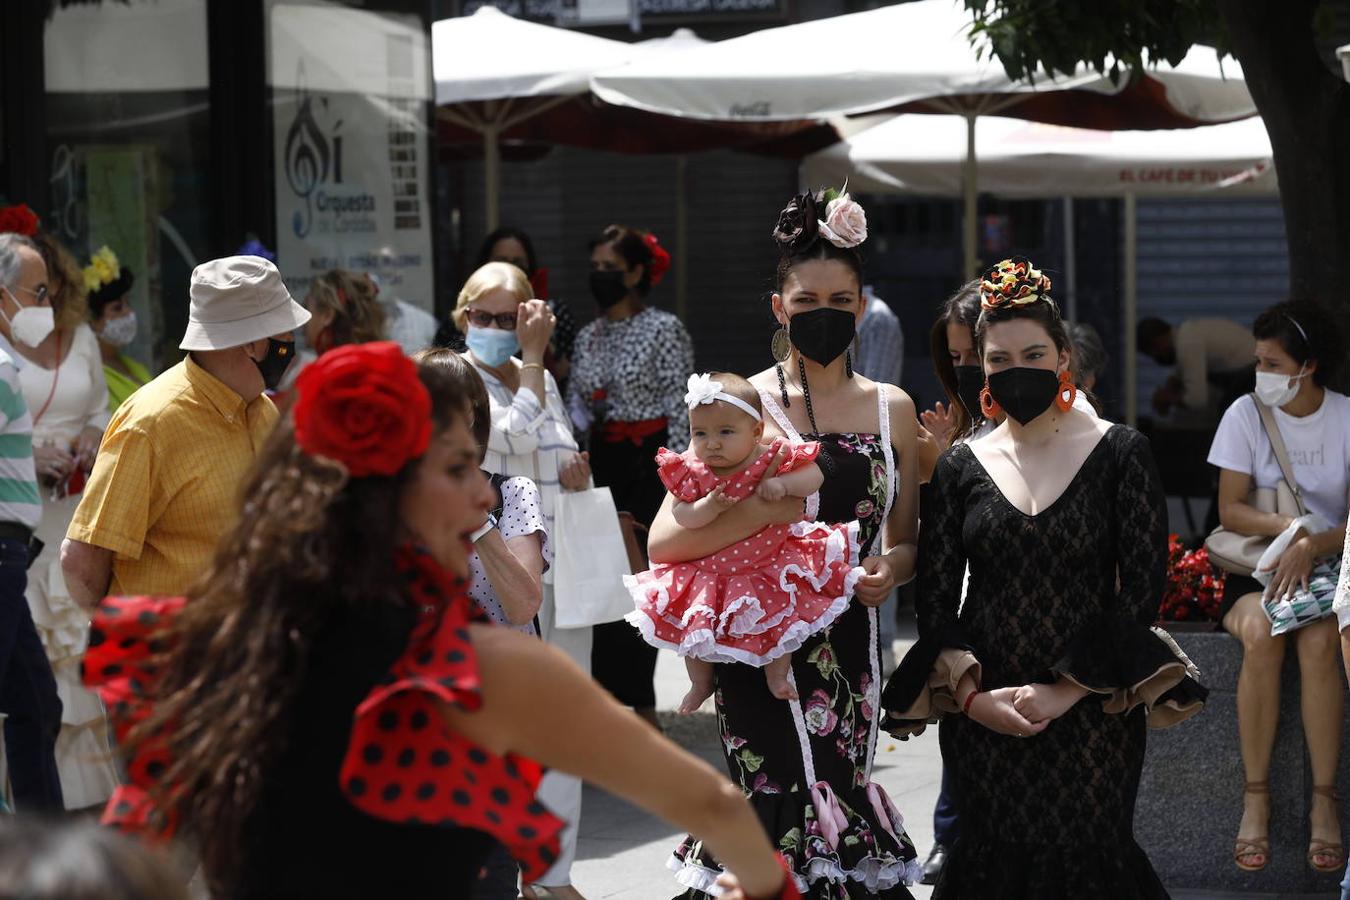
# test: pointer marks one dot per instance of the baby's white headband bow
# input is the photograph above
(702, 390)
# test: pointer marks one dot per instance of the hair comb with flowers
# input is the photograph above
(1013, 282)
(799, 225)
(103, 269)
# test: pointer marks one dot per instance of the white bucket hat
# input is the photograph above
(237, 300)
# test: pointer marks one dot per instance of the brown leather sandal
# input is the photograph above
(1325, 849)
(1245, 848)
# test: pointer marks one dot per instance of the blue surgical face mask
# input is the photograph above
(492, 346)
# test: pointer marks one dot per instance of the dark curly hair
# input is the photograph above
(1307, 332)
(631, 245)
(308, 540)
(799, 241)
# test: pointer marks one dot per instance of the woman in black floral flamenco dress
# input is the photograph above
(1061, 519)
(806, 764)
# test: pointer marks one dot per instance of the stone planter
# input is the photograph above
(1190, 798)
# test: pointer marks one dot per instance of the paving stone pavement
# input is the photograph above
(622, 851)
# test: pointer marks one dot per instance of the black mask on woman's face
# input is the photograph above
(1024, 392)
(274, 364)
(969, 383)
(607, 287)
(822, 335)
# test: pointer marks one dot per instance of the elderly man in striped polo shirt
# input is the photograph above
(28, 695)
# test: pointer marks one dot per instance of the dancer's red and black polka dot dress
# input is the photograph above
(371, 764)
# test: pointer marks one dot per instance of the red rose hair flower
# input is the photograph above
(363, 405)
(18, 219)
(660, 259)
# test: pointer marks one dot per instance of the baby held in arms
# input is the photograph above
(759, 599)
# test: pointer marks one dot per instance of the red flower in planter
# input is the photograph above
(1194, 590)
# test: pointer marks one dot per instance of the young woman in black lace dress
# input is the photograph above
(806, 764)
(1062, 522)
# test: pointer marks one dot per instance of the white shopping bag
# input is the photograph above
(590, 560)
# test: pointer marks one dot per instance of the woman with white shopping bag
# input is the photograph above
(531, 436)
(1292, 424)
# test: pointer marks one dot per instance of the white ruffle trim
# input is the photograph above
(874, 874)
(746, 614)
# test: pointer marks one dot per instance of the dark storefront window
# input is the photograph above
(350, 99)
(128, 138)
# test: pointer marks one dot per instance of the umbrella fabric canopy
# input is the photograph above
(493, 72)
(926, 155)
(913, 56)
(491, 56)
(922, 154)
(502, 82)
(889, 57)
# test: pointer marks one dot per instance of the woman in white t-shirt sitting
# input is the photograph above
(1297, 347)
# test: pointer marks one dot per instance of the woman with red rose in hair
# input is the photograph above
(325, 715)
(630, 369)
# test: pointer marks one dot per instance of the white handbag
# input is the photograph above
(590, 560)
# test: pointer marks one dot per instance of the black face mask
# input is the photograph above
(822, 335)
(969, 383)
(1024, 392)
(607, 287)
(274, 364)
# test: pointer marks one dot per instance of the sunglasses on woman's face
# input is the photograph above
(484, 319)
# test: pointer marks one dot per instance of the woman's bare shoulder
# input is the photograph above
(766, 380)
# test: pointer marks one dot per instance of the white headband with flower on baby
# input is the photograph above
(702, 391)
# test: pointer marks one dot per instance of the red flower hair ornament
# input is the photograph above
(18, 219)
(363, 405)
(660, 264)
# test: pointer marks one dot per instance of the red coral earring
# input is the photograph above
(1066, 386)
(988, 405)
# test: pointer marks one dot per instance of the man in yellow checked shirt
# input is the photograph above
(166, 481)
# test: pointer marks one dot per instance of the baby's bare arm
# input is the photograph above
(703, 511)
(804, 482)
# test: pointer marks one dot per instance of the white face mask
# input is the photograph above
(120, 332)
(31, 324)
(1275, 390)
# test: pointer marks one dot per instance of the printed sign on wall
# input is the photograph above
(350, 90)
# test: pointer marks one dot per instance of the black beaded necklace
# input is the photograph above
(806, 392)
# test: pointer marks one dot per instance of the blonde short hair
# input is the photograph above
(493, 276)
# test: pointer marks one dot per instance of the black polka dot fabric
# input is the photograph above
(123, 639)
(404, 764)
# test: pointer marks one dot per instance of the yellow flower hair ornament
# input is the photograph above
(103, 269)
(1013, 282)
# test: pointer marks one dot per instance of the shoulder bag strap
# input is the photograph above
(1281, 454)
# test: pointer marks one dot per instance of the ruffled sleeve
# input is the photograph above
(404, 764)
(125, 636)
(744, 483)
(684, 475)
(923, 688)
(1119, 655)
